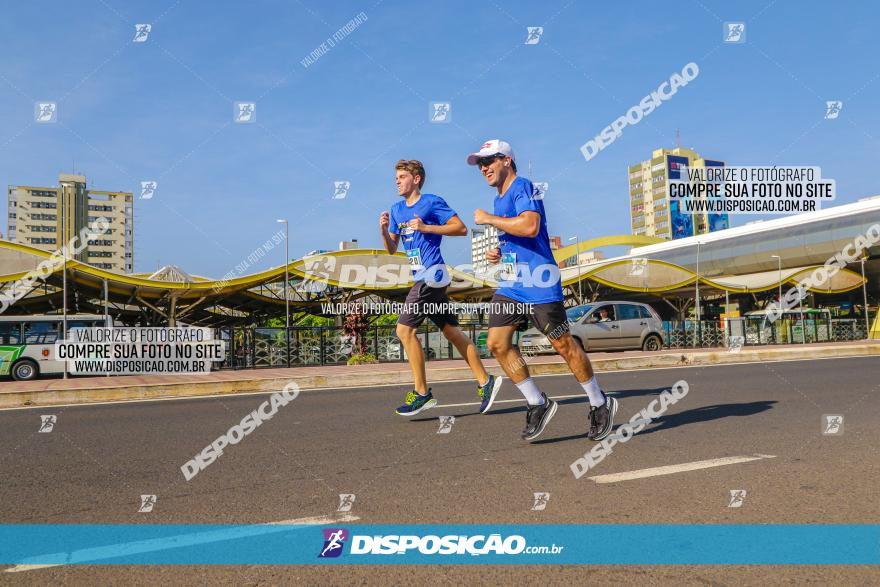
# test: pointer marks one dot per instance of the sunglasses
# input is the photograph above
(487, 161)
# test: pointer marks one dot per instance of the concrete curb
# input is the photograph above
(11, 399)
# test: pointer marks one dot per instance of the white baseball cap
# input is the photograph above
(489, 148)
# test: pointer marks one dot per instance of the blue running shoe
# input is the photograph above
(416, 403)
(488, 392)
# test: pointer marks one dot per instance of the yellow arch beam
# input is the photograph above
(631, 240)
(296, 268)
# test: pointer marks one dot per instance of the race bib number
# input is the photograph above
(508, 266)
(414, 257)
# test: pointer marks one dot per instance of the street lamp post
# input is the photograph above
(865, 295)
(286, 277)
(697, 298)
(64, 270)
(286, 297)
(779, 265)
(578, 261)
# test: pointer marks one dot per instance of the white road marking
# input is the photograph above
(22, 568)
(246, 393)
(166, 543)
(318, 520)
(670, 469)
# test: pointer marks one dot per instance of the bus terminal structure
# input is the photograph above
(747, 265)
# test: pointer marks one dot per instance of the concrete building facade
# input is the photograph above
(651, 211)
(49, 217)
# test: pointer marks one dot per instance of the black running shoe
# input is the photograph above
(602, 419)
(537, 418)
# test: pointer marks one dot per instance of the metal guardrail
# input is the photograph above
(249, 348)
(758, 330)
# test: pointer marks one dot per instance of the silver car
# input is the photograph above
(604, 326)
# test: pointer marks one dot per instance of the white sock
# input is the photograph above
(531, 392)
(594, 393)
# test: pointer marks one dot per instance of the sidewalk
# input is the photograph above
(99, 389)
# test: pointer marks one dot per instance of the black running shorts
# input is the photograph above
(422, 302)
(549, 318)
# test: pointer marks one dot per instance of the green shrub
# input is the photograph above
(362, 359)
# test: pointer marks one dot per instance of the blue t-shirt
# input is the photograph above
(422, 249)
(537, 278)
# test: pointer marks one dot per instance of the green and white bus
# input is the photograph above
(27, 343)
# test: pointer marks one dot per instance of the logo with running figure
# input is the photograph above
(45, 112)
(334, 541)
(141, 33)
(47, 423)
(638, 267)
(541, 188)
(832, 424)
(244, 113)
(346, 344)
(317, 271)
(148, 502)
(540, 501)
(734, 32)
(148, 189)
(346, 500)
(735, 343)
(446, 423)
(832, 109)
(533, 35)
(737, 498)
(406, 231)
(340, 189)
(440, 112)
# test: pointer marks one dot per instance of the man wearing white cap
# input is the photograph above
(526, 293)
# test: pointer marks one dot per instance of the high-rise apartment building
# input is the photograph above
(485, 238)
(651, 211)
(482, 239)
(36, 216)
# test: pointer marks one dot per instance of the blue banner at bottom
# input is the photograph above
(287, 544)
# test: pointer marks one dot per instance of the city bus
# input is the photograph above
(27, 343)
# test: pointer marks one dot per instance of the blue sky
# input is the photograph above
(163, 109)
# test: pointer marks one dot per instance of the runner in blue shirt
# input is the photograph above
(530, 287)
(420, 221)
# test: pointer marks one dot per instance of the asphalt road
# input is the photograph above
(98, 460)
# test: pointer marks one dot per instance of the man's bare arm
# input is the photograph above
(526, 224)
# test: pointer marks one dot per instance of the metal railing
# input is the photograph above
(757, 330)
(248, 348)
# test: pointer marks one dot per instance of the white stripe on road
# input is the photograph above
(21, 568)
(169, 542)
(670, 469)
(317, 520)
